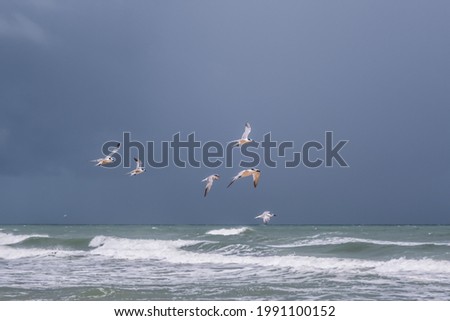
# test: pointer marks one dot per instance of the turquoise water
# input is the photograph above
(202, 262)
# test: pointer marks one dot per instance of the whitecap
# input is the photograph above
(347, 240)
(176, 252)
(8, 239)
(124, 248)
(98, 241)
(173, 252)
(10, 253)
(228, 231)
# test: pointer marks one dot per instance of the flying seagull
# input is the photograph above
(247, 172)
(266, 216)
(139, 168)
(244, 139)
(107, 159)
(209, 182)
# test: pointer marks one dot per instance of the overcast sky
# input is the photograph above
(76, 74)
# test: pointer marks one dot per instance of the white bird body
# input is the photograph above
(139, 168)
(247, 172)
(209, 182)
(107, 159)
(265, 216)
(244, 139)
(104, 161)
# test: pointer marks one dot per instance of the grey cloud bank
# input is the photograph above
(76, 74)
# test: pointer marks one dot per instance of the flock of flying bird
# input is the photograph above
(254, 172)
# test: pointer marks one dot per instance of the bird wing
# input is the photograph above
(234, 179)
(237, 177)
(208, 187)
(256, 178)
(247, 131)
(138, 163)
(115, 149)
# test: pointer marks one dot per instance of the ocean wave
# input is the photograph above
(347, 240)
(228, 231)
(124, 248)
(10, 253)
(175, 252)
(9, 239)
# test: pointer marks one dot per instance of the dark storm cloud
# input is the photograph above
(61, 94)
(74, 75)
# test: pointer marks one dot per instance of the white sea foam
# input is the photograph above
(347, 240)
(99, 240)
(10, 253)
(228, 231)
(123, 248)
(8, 239)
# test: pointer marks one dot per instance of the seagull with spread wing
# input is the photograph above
(209, 182)
(247, 172)
(107, 159)
(139, 168)
(265, 216)
(244, 139)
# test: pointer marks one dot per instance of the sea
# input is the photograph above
(208, 262)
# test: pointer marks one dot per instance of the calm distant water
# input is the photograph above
(224, 262)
